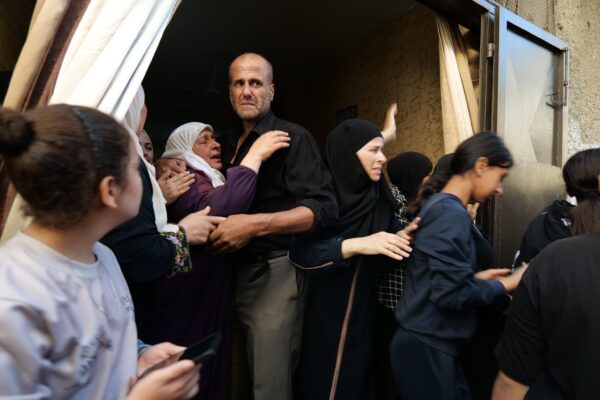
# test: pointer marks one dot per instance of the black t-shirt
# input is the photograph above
(552, 337)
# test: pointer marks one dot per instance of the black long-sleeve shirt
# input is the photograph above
(440, 291)
(291, 177)
(552, 337)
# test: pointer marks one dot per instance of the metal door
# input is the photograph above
(528, 109)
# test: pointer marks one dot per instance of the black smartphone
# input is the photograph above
(203, 350)
(199, 352)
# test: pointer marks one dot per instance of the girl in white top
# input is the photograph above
(67, 327)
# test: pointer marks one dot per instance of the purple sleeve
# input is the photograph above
(234, 197)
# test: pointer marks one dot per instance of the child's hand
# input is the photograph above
(156, 354)
(492, 273)
(177, 381)
(512, 281)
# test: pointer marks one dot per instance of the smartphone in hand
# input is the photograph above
(199, 353)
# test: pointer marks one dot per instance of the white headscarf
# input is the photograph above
(179, 145)
(131, 123)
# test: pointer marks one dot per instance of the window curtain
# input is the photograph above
(460, 106)
(105, 61)
(50, 30)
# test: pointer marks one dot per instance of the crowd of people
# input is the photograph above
(324, 278)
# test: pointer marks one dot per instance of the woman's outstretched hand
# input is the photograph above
(387, 244)
(389, 125)
(264, 147)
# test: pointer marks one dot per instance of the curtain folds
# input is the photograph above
(460, 107)
(105, 59)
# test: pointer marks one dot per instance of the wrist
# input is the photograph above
(259, 224)
(350, 248)
(251, 161)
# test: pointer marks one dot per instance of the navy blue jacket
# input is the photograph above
(441, 293)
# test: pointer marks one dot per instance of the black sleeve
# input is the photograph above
(532, 243)
(521, 350)
(317, 254)
(308, 179)
(143, 253)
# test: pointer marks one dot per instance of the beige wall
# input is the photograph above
(578, 23)
(14, 22)
(399, 63)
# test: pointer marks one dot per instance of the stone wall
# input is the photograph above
(398, 63)
(578, 23)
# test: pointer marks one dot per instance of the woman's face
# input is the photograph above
(371, 158)
(131, 196)
(488, 181)
(208, 148)
(147, 148)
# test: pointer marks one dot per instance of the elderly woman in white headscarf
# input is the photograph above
(197, 304)
(147, 248)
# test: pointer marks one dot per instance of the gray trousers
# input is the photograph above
(270, 310)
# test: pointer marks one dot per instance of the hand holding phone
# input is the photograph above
(199, 353)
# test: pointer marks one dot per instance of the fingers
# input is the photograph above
(182, 177)
(413, 226)
(179, 166)
(214, 221)
(171, 348)
(204, 211)
(397, 246)
(277, 133)
(498, 271)
(174, 371)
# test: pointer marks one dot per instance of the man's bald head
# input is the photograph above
(251, 88)
(254, 58)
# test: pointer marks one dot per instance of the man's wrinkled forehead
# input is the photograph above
(251, 63)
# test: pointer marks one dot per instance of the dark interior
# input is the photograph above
(187, 80)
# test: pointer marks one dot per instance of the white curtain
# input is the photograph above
(105, 62)
(459, 103)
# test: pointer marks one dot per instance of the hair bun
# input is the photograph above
(16, 133)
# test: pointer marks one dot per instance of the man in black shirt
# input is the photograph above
(294, 195)
(551, 344)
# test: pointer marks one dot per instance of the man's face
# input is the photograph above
(250, 89)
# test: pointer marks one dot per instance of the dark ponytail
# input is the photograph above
(56, 157)
(581, 173)
(16, 133)
(483, 144)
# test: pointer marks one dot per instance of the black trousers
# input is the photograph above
(422, 372)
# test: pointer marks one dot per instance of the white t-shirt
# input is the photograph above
(67, 329)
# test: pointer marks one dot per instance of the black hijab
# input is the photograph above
(364, 206)
(407, 170)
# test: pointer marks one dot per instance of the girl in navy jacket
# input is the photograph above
(441, 289)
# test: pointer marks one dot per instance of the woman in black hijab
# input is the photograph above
(340, 309)
(407, 171)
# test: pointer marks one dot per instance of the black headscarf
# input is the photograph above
(407, 170)
(364, 206)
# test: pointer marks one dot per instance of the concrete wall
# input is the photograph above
(578, 23)
(399, 63)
